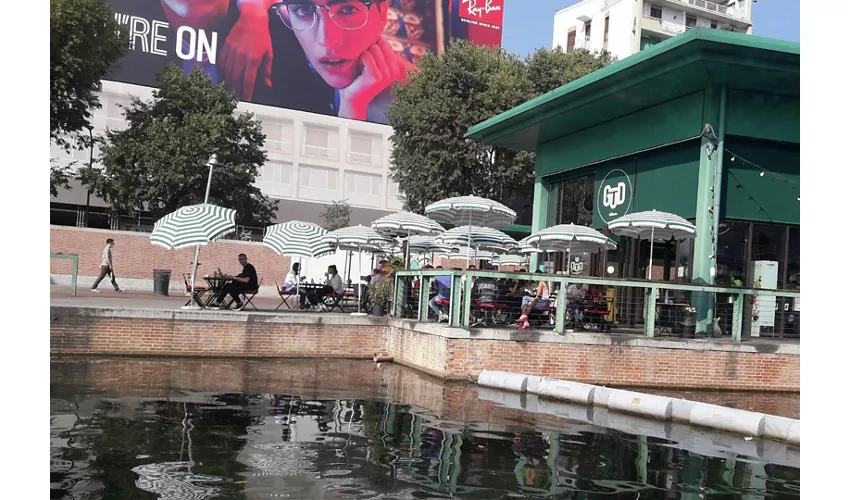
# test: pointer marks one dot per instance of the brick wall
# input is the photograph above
(73, 331)
(82, 334)
(135, 257)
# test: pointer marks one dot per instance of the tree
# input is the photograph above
(464, 86)
(337, 215)
(159, 162)
(85, 41)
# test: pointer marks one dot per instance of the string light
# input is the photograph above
(762, 171)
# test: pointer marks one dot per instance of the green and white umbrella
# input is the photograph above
(405, 224)
(511, 260)
(356, 238)
(474, 237)
(653, 225)
(193, 225)
(472, 211)
(462, 252)
(425, 244)
(297, 239)
(566, 238)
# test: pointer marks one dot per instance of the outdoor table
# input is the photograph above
(668, 313)
(311, 289)
(216, 284)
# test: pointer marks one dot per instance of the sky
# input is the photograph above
(528, 24)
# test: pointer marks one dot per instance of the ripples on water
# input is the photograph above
(258, 446)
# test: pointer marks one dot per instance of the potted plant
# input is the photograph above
(382, 294)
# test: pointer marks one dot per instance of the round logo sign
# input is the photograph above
(614, 198)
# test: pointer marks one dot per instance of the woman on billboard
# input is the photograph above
(321, 56)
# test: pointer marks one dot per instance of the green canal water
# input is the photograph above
(146, 429)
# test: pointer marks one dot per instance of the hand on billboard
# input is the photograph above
(248, 52)
(380, 67)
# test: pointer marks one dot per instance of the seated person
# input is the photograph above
(538, 301)
(290, 284)
(333, 285)
(484, 290)
(444, 292)
(576, 299)
(242, 282)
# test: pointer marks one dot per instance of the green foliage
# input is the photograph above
(159, 162)
(464, 86)
(337, 215)
(383, 292)
(59, 177)
(85, 41)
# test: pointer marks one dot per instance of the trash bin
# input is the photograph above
(161, 278)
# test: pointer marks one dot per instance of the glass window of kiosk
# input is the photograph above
(792, 272)
(576, 201)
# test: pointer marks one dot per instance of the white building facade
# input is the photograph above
(313, 160)
(625, 27)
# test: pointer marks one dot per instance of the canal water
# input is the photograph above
(339, 429)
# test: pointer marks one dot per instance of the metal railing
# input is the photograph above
(649, 308)
(75, 264)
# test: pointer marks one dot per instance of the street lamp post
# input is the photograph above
(88, 189)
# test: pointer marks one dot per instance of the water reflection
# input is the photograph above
(258, 446)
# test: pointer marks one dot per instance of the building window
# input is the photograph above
(607, 25)
(714, 25)
(278, 135)
(587, 31)
(571, 39)
(360, 149)
(575, 205)
(317, 142)
(275, 179)
(654, 11)
(690, 21)
(317, 178)
(362, 184)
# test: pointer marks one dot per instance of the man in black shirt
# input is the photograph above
(244, 281)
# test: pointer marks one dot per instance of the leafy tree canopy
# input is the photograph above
(337, 215)
(159, 162)
(464, 86)
(85, 41)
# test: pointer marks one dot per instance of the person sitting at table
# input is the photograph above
(444, 292)
(576, 299)
(538, 301)
(242, 282)
(290, 284)
(333, 285)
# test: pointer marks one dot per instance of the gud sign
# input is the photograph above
(614, 197)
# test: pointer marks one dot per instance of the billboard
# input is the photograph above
(332, 57)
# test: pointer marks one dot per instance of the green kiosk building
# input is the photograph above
(705, 125)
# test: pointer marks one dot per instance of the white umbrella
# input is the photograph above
(482, 238)
(193, 225)
(405, 224)
(654, 225)
(511, 260)
(471, 210)
(297, 239)
(566, 238)
(356, 238)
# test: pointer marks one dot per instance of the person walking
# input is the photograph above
(106, 267)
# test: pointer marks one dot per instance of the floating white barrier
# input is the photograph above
(575, 392)
(743, 422)
(682, 410)
(794, 433)
(777, 427)
(660, 407)
(503, 398)
(533, 384)
(503, 380)
(600, 396)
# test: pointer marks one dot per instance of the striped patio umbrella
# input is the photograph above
(405, 224)
(481, 238)
(471, 210)
(356, 238)
(297, 239)
(193, 225)
(461, 253)
(425, 244)
(511, 260)
(653, 225)
(566, 238)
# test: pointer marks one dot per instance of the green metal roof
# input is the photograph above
(679, 66)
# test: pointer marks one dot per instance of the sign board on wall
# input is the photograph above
(252, 47)
(614, 195)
